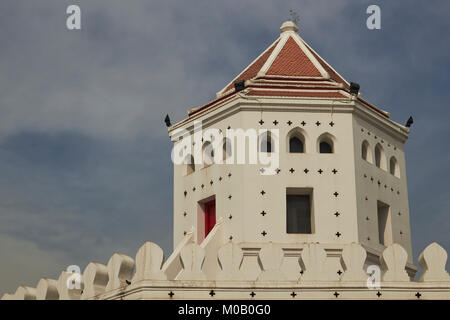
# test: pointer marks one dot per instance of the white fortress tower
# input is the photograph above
(341, 176)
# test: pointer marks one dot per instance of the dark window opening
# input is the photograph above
(377, 157)
(298, 213)
(364, 151)
(384, 224)
(295, 145)
(325, 147)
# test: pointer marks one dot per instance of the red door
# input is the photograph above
(210, 216)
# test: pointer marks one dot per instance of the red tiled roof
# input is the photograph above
(292, 61)
(312, 94)
(253, 69)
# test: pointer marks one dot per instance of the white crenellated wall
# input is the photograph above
(122, 278)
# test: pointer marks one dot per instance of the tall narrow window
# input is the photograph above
(208, 154)
(394, 168)
(190, 165)
(226, 149)
(380, 157)
(384, 224)
(298, 212)
(266, 144)
(366, 153)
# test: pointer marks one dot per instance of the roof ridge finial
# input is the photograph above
(292, 24)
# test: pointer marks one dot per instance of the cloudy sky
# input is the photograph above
(84, 154)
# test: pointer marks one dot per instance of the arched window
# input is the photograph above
(326, 143)
(394, 168)
(190, 165)
(380, 157)
(366, 153)
(296, 140)
(227, 149)
(266, 142)
(208, 154)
